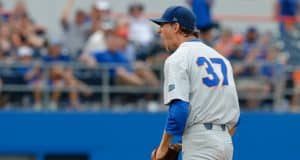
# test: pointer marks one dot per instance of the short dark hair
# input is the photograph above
(188, 32)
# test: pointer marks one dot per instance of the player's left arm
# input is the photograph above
(233, 129)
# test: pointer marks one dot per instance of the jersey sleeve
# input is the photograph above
(176, 83)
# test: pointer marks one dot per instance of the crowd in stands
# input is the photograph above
(129, 48)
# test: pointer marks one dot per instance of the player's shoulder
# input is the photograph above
(210, 52)
(196, 47)
(186, 52)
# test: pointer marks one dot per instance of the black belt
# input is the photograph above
(210, 126)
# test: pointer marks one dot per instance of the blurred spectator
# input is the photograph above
(20, 30)
(295, 101)
(249, 82)
(273, 64)
(24, 55)
(143, 69)
(62, 78)
(237, 55)
(140, 32)
(158, 54)
(237, 49)
(19, 9)
(75, 33)
(224, 44)
(204, 21)
(55, 53)
(30, 31)
(251, 40)
(17, 39)
(31, 72)
(107, 18)
(3, 98)
(5, 44)
(122, 71)
(127, 48)
(22, 21)
(206, 36)
(286, 12)
(2, 10)
(265, 43)
(202, 11)
(96, 40)
(4, 14)
(272, 68)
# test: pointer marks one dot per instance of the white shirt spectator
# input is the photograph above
(96, 42)
(140, 31)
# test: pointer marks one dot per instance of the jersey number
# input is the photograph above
(213, 79)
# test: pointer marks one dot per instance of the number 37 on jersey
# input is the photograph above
(212, 79)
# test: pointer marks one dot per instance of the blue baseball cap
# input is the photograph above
(179, 14)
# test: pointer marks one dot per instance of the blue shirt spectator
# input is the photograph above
(55, 53)
(202, 11)
(286, 13)
(59, 58)
(118, 59)
(251, 40)
(28, 70)
(272, 67)
(288, 7)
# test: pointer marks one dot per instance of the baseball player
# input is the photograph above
(199, 89)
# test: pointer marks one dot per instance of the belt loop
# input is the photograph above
(223, 126)
(208, 126)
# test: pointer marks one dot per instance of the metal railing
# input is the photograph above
(105, 87)
(277, 95)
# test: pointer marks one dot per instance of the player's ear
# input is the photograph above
(176, 27)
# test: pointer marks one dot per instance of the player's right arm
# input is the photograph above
(176, 121)
(163, 147)
(176, 94)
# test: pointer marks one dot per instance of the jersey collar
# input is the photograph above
(194, 40)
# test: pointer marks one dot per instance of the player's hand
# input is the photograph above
(232, 131)
(153, 154)
(166, 153)
(159, 153)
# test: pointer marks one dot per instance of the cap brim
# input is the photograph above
(159, 21)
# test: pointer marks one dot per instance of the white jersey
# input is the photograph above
(197, 74)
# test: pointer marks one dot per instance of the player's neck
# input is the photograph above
(186, 39)
(190, 38)
(181, 39)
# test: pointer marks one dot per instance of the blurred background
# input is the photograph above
(90, 69)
